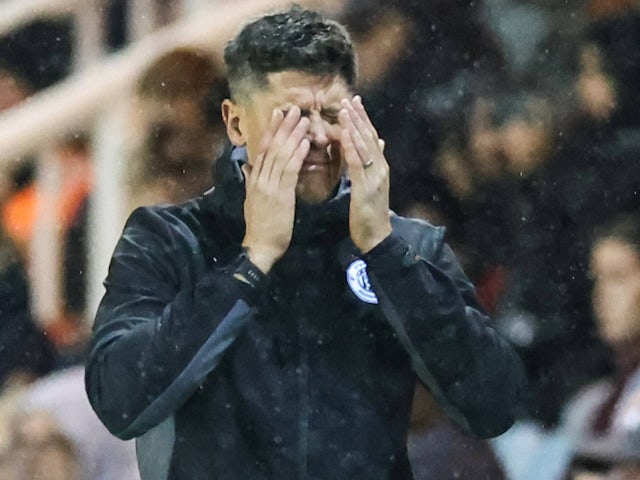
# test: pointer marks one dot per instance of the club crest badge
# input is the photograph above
(359, 283)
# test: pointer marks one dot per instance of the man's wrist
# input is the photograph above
(374, 241)
(261, 260)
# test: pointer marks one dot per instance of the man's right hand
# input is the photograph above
(270, 181)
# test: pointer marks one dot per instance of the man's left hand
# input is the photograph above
(363, 151)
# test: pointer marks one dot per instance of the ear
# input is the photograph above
(231, 117)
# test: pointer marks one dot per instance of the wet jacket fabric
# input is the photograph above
(305, 378)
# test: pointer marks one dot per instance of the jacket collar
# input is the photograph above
(314, 224)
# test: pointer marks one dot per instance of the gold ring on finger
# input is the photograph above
(368, 163)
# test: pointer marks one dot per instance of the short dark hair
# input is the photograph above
(296, 39)
(623, 227)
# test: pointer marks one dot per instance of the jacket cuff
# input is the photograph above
(392, 251)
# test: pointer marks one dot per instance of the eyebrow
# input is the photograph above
(330, 111)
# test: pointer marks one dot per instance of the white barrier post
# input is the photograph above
(44, 255)
(107, 206)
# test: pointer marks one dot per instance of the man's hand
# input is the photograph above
(270, 181)
(369, 220)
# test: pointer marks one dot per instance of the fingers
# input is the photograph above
(251, 172)
(349, 151)
(289, 178)
(364, 140)
(275, 122)
(290, 150)
(362, 113)
(281, 141)
(361, 121)
(276, 139)
(277, 116)
(362, 148)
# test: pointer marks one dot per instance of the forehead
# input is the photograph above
(305, 90)
(614, 253)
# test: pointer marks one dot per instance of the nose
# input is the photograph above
(317, 132)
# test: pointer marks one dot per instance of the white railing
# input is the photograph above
(93, 98)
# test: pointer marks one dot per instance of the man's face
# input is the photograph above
(318, 98)
(615, 267)
(179, 135)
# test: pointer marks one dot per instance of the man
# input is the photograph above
(275, 327)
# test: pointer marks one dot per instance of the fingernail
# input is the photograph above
(357, 100)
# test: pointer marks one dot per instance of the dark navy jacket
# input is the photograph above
(307, 378)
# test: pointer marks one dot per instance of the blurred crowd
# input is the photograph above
(514, 123)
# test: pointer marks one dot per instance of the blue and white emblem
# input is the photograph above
(359, 283)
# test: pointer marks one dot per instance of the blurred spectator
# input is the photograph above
(25, 352)
(73, 158)
(99, 455)
(531, 208)
(540, 39)
(420, 64)
(593, 174)
(39, 451)
(530, 198)
(492, 165)
(20, 199)
(180, 96)
(606, 71)
(614, 45)
(74, 161)
(604, 419)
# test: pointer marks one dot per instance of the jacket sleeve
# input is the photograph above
(472, 372)
(162, 325)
